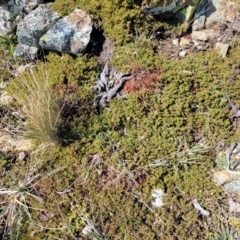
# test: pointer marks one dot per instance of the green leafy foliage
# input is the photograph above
(139, 52)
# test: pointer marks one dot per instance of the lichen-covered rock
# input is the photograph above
(70, 34)
(25, 51)
(32, 27)
(160, 9)
(5, 20)
(213, 12)
(27, 6)
(199, 23)
(199, 14)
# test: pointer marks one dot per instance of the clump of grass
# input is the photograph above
(34, 93)
(15, 209)
(226, 232)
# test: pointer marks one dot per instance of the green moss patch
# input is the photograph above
(158, 139)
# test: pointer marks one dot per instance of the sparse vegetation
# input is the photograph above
(136, 145)
(19, 198)
(102, 175)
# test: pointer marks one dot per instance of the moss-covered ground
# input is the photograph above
(109, 162)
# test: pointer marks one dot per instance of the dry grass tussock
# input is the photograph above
(34, 93)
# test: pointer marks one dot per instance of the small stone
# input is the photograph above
(233, 206)
(22, 155)
(175, 41)
(222, 177)
(3, 84)
(182, 53)
(184, 41)
(23, 68)
(233, 187)
(196, 43)
(188, 73)
(9, 144)
(202, 47)
(199, 23)
(223, 48)
(204, 35)
(87, 230)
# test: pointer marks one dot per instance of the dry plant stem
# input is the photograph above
(64, 221)
(200, 209)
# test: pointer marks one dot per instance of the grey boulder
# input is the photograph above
(70, 34)
(32, 27)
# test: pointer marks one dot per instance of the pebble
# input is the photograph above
(175, 41)
(233, 186)
(204, 35)
(222, 177)
(22, 155)
(223, 48)
(182, 53)
(185, 41)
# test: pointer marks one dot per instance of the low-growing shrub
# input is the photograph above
(121, 20)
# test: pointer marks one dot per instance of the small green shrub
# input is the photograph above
(69, 70)
(222, 162)
(120, 20)
(158, 139)
(225, 232)
(140, 53)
